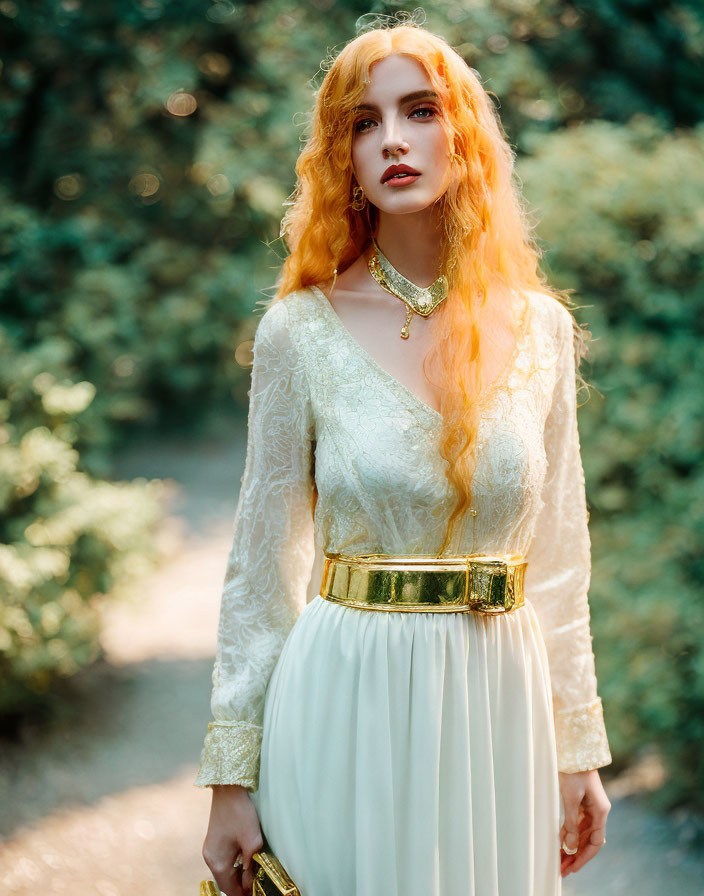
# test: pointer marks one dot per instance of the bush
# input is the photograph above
(66, 539)
(633, 245)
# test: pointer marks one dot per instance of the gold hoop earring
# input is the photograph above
(359, 200)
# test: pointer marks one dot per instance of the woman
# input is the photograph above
(419, 752)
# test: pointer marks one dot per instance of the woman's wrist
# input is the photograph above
(228, 790)
(585, 771)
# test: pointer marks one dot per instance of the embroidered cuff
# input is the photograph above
(230, 755)
(581, 738)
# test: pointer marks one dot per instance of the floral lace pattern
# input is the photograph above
(231, 755)
(382, 488)
(580, 733)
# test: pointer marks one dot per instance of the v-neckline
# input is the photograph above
(371, 360)
(395, 381)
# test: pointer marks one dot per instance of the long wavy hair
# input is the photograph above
(488, 251)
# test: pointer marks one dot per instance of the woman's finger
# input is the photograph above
(567, 860)
(248, 879)
(230, 881)
(227, 876)
(584, 855)
(569, 834)
(592, 838)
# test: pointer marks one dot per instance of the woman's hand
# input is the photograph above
(233, 830)
(586, 808)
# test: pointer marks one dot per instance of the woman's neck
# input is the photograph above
(412, 244)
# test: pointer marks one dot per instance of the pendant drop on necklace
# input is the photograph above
(404, 329)
(418, 300)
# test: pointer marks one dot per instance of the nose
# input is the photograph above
(393, 141)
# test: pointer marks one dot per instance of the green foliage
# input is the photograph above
(612, 59)
(633, 246)
(152, 332)
(65, 538)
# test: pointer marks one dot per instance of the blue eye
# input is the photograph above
(424, 109)
(363, 121)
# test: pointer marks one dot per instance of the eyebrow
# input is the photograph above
(418, 95)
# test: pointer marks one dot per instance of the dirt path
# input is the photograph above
(104, 801)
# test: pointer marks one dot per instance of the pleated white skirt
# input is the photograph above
(412, 754)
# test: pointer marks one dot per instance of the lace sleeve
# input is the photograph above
(558, 576)
(272, 554)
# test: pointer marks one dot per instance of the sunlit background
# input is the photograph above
(147, 150)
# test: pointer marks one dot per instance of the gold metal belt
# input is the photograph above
(483, 583)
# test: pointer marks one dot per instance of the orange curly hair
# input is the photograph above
(488, 251)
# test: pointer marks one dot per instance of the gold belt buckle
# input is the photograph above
(492, 585)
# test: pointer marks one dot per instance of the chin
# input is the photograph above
(406, 205)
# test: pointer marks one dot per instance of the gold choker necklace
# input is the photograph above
(417, 299)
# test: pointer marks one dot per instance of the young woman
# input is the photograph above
(404, 683)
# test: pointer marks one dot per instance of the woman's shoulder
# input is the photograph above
(283, 323)
(553, 319)
(273, 324)
(280, 314)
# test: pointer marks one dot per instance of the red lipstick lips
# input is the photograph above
(397, 169)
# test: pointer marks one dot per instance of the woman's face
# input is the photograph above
(393, 128)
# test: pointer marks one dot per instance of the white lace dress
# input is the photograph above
(404, 754)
